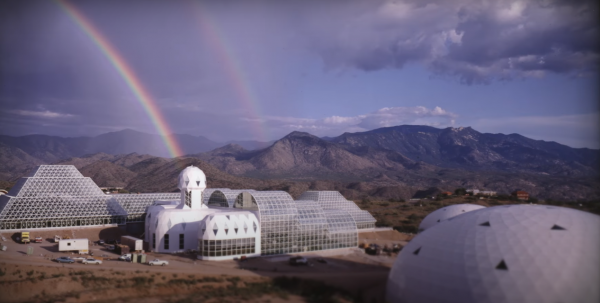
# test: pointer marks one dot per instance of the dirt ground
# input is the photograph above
(348, 275)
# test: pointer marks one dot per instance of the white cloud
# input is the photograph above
(42, 114)
(385, 117)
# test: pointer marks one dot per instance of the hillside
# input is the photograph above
(468, 149)
(392, 163)
(50, 149)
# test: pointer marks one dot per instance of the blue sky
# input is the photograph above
(325, 67)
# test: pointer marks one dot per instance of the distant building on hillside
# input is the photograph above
(521, 195)
(447, 193)
(476, 192)
(473, 191)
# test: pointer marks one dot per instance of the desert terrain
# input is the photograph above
(332, 276)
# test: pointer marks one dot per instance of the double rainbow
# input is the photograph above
(128, 75)
(224, 52)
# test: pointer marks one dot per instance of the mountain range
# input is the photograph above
(387, 162)
(53, 148)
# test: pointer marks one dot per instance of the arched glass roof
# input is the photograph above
(224, 197)
(332, 200)
(290, 226)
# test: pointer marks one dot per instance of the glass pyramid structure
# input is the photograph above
(57, 196)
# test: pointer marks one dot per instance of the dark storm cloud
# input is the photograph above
(55, 80)
(472, 40)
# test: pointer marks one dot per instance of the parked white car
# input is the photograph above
(91, 261)
(79, 259)
(125, 257)
(158, 262)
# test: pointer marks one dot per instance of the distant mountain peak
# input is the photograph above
(461, 128)
(231, 147)
(297, 134)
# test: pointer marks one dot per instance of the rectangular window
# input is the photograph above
(166, 241)
(181, 238)
(154, 241)
(217, 248)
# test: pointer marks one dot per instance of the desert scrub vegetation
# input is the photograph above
(141, 281)
(282, 287)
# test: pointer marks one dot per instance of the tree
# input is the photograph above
(460, 191)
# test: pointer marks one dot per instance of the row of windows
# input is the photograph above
(60, 223)
(229, 247)
(166, 241)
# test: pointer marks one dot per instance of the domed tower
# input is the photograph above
(192, 183)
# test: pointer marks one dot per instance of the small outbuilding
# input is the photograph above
(521, 195)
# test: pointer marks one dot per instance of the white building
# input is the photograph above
(516, 253)
(219, 223)
(224, 224)
(475, 192)
(229, 234)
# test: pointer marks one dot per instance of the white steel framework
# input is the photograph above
(223, 197)
(285, 228)
(333, 200)
(57, 196)
(135, 204)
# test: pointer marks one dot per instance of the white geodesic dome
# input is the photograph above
(446, 213)
(516, 253)
(192, 178)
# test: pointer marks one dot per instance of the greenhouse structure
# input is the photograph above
(219, 223)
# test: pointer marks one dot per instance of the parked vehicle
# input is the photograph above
(110, 247)
(91, 261)
(25, 237)
(57, 238)
(79, 245)
(134, 244)
(79, 259)
(373, 249)
(125, 257)
(100, 242)
(298, 261)
(158, 262)
(39, 239)
(64, 260)
(122, 249)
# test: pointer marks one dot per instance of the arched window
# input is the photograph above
(245, 201)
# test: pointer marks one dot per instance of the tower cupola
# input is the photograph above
(192, 183)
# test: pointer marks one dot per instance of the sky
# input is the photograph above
(258, 70)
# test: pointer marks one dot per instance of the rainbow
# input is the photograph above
(233, 68)
(128, 75)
